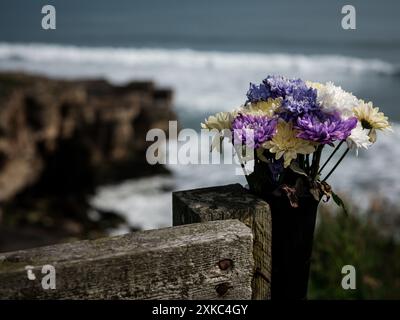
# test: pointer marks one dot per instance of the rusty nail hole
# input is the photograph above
(223, 288)
(225, 264)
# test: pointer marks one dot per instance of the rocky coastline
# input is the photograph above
(61, 139)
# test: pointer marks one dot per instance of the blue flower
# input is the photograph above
(280, 86)
(258, 93)
(297, 97)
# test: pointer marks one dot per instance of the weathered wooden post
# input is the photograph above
(211, 260)
(232, 202)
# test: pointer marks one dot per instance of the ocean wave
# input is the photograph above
(203, 80)
(190, 58)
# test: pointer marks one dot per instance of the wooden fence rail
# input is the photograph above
(198, 258)
(199, 261)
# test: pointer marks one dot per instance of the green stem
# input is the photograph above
(333, 169)
(330, 157)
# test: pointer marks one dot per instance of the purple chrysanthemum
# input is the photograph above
(297, 97)
(253, 130)
(324, 128)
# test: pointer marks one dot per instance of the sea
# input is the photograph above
(208, 52)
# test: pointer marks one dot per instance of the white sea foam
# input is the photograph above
(203, 80)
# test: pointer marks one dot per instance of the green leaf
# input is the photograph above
(339, 202)
(295, 168)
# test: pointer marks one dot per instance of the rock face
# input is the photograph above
(60, 139)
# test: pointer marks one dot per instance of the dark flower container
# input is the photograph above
(292, 242)
(293, 227)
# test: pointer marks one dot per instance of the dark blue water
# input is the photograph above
(309, 28)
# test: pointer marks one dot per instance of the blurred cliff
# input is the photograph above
(58, 141)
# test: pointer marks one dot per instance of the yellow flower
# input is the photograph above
(264, 108)
(315, 85)
(370, 117)
(286, 144)
(219, 121)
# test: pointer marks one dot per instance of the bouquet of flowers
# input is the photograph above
(288, 123)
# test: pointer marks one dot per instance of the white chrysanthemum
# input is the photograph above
(358, 139)
(370, 116)
(334, 98)
(219, 121)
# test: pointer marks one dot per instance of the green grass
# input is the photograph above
(349, 240)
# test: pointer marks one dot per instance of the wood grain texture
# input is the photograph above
(232, 202)
(199, 261)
